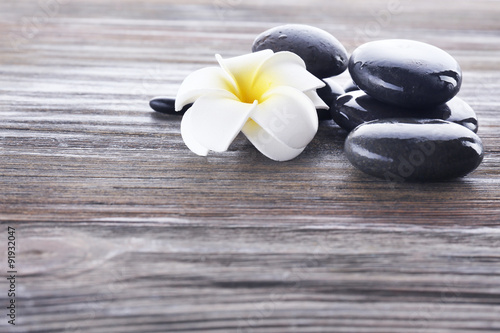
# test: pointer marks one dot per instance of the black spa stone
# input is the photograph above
(414, 149)
(323, 54)
(167, 105)
(405, 73)
(355, 108)
(329, 94)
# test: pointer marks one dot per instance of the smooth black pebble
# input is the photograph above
(323, 54)
(405, 73)
(167, 105)
(414, 149)
(355, 108)
(329, 94)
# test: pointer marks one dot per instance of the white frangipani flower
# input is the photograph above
(270, 97)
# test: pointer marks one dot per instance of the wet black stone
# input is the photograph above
(167, 105)
(329, 94)
(406, 73)
(355, 108)
(350, 86)
(323, 54)
(414, 149)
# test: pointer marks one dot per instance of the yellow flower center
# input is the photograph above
(250, 92)
(250, 87)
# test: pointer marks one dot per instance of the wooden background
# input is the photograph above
(120, 228)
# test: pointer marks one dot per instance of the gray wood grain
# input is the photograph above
(120, 228)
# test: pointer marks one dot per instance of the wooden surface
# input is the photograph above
(120, 228)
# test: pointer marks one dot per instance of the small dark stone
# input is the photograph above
(329, 94)
(167, 105)
(323, 54)
(405, 73)
(414, 149)
(355, 108)
(350, 86)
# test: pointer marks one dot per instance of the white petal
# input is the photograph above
(317, 101)
(288, 115)
(286, 69)
(243, 68)
(206, 80)
(267, 144)
(188, 137)
(215, 120)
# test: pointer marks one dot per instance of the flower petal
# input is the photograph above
(288, 115)
(188, 136)
(200, 82)
(285, 69)
(267, 144)
(215, 120)
(317, 101)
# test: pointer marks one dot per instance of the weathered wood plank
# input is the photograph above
(174, 277)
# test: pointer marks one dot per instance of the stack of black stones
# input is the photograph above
(404, 120)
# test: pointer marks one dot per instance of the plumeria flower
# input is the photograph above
(268, 96)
